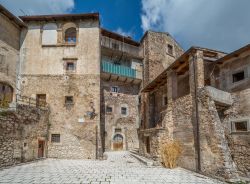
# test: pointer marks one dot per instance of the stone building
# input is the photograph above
(71, 89)
(204, 95)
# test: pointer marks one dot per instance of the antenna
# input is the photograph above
(23, 12)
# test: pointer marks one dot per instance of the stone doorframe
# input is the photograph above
(124, 141)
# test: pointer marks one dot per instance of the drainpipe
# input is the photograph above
(197, 122)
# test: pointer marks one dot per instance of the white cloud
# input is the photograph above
(124, 33)
(218, 24)
(36, 7)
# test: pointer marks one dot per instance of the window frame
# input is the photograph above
(75, 38)
(233, 128)
(236, 73)
(126, 110)
(54, 139)
(109, 112)
(114, 87)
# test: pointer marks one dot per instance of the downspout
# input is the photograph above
(197, 122)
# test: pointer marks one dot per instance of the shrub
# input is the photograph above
(170, 152)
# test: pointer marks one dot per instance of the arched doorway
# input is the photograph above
(6, 95)
(118, 142)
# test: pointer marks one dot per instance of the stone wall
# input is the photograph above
(156, 56)
(20, 131)
(127, 96)
(76, 128)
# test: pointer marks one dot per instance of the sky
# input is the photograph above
(217, 24)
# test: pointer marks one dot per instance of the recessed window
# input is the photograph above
(118, 130)
(70, 35)
(109, 109)
(41, 100)
(170, 49)
(123, 110)
(115, 46)
(70, 66)
(165, 100)
(69, 100)
(238, 76)
(55, 138)
(114, 89)
(240, 126)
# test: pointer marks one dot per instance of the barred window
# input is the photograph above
(55, 137)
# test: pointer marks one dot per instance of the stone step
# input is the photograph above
(142, 159)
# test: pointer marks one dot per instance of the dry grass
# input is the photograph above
(170, 152)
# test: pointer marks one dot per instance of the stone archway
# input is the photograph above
(118, 140)
(6, 95)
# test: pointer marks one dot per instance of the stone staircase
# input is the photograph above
(144, 160)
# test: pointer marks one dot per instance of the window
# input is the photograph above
(170, 49)
(118, 130)
(109, 109)
(115, 46)
(70, 35)
(70, 66)
(69, 100)
(114, 89)
(41, 100)
(49, 34)
(240, 126)
(55, 137)
(124, 111)
(238, 76)
(165, 100)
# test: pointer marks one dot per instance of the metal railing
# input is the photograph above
(118, 69)
(31, 102)
(118, 45)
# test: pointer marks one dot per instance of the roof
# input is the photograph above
(234, 54)
(12, 17)
(119, 37)
(60, 17)
(180, 65)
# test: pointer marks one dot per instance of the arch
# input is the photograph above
(6, 95)
(69, 32)
(70, 35)
(118, 142)
(49, 35)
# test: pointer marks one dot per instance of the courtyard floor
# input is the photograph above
(120, 167)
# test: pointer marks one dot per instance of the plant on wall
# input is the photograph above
(170, 152)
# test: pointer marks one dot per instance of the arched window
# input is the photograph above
(6, 95)
(49, 36)
(70, 35)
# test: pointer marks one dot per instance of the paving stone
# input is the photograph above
(119, 168)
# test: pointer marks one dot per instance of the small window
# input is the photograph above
(170, 49)
(69, 100)
(109, 109)
(41, 100)
(118, 130)
(115, 46)
(70, 66)
(238, 76)
(70, 35)
(114, 89)
(240, 126)
(165, 100)
(124, 111)
(55, 137)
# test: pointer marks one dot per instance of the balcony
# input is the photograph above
(220, 97)
(121, 73)
(110, 46)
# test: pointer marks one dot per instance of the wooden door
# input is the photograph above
(40, 148)
(118, 142)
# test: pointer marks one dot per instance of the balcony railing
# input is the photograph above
(120, 46)
(118, 69)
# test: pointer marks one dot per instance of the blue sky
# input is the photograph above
(117, 15)
(216, 24)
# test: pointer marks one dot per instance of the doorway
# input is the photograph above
(118, 142)
(41, 144)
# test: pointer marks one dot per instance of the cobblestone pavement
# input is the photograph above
(120, 167)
